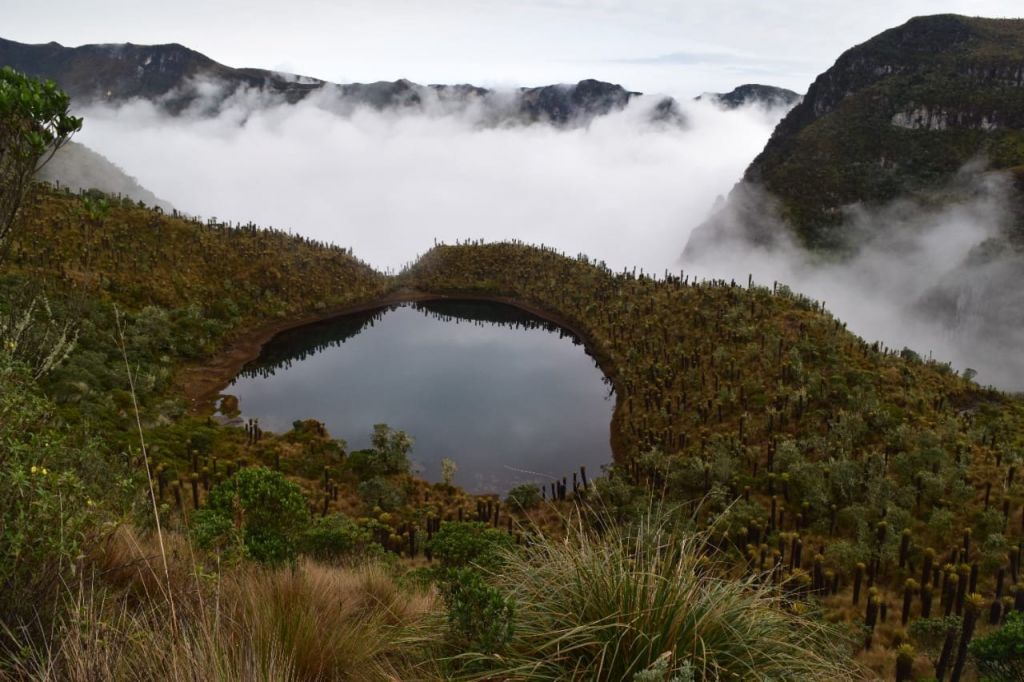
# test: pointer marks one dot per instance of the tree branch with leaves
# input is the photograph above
(35, 121)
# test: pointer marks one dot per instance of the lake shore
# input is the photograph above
(202, 383)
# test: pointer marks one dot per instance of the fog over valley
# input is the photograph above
(622, 188)
(388, 184)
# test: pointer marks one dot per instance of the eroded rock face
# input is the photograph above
(938, 118)
(181, 80)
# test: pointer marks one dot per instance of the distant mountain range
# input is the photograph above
(179, 79)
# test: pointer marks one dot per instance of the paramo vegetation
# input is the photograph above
(787, 501)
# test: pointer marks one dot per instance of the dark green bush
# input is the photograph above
(338, 537)
(267, 510)
(479, 615)
(525, 496)
(1000, 654)
(215, 531)
(388, 456)
(469, 543)
(54, 484)
(382, 492)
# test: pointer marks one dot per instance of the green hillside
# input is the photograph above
(798, 448)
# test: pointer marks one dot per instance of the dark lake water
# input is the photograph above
(508, 396)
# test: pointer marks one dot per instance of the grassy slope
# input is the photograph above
(185, 290)
(741, 393)
(693, 366)
(776, 361)
(716, 384)
(137, 257)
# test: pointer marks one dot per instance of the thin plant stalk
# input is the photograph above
(145, 458)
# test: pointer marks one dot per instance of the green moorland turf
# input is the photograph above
(832, 463)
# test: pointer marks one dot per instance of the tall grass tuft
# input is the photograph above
(331, 623)
(646, 603)
(101, 637)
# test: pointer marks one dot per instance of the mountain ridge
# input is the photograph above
(180, 79)
(895, 116)
(753, 93)
(81, 168)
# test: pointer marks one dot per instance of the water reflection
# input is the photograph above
(507, 395)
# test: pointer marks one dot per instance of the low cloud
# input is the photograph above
(941, 280)
(77, 167)
(622, 188)
(390, 183)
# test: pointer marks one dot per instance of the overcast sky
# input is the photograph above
(650, 45)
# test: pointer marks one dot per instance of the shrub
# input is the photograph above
(337, 537)
(266, 509)
(52, 487)
(35, 121)
(30, 331)
(479, 615)
(470, 543)
(660, 670)
(525, 496)
(388, 456)
(448, 469)
(380, 492)
(929, 633)
(217, 532)
(622, 500)
(1000, 654)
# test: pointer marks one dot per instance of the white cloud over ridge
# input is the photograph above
(388, 184)
(940, 280)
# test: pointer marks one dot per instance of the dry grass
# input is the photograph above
(306, 623)
(331, 623)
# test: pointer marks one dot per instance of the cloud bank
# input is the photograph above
(940, 279)
(389, 183)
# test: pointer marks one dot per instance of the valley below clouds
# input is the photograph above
(622, 189)
(387, 184)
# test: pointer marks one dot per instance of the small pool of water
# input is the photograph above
(510, 397)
